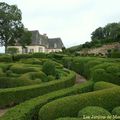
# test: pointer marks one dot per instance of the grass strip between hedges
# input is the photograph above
(29, 109)
(12, 96)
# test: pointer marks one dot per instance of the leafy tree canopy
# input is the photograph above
(11, 27)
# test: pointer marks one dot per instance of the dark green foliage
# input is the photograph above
(17, 57)
(11, 26)
(25, 38)
(116, 111)
(93, 111)
(20, 94)
(29, 109)
(39, 55)
(12, 50)
(103, 85)
(49, 68)
(5, 58)
(93, 68)
(31, 61)
(22, 68)
(70, 106)
(9, 82)
(39, 76)
(115, 54)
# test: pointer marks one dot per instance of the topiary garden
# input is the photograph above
(42, 87)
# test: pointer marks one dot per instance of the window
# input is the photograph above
(40, 49)
(55, 45)
(31, 50)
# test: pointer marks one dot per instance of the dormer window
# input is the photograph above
(55, 45)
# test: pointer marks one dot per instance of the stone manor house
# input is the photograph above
(41, 43)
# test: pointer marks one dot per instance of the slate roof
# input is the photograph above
(50, 43)
(55, 43)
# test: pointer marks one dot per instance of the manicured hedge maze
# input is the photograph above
(49, 93)
(97, 69)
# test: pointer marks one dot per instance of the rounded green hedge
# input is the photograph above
(6, 58)
(34, 76)
(22, 68)
(31, 61)
(49, 68)
(103, 85)
(11, 96)
(70, 106)
(93, 111)
(10, 82)
(116, 111)
(28, 110)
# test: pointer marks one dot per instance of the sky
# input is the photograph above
(71, 20)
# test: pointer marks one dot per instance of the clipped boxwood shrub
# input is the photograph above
(9, 82)
(103, 85)
(28, 110)
(17, 57)
(115, 54)
(31, 61)
(49, 68)
(39, 55)
(89, 65)
(116, 111)
(22, 68)
(5, 58)
(93, 111)
(1, 73)
(33, 76)
(17, 95)
(70, 106)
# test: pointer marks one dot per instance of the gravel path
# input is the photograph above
(79, 79)
(3, 111)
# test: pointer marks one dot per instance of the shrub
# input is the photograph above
(93, 111)
(49, 68)
(33, 76)
(89, 65)
(9, 82)
(96, 76)
(103, 85)
(29, 109)
(5, 58)
(17, 57)
(116, 111)
(12, 50)
(20, 94)
(115, 54)
(4, 66)
(22, 68)
(31, 61)
(69, 106)
(39, 55)
(1, 73)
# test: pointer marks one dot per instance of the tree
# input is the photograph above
(11, 26)
(25, 38)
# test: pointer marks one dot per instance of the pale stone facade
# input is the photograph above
(41, 43)
(29, 49)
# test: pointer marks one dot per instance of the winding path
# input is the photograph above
(79, 79)
(3, 111)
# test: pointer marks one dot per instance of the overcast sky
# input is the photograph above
(72, 20)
